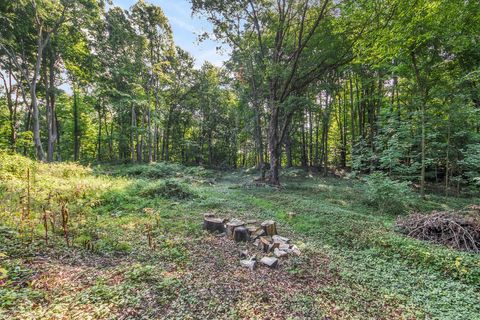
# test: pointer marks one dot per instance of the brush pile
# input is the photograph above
(454, 229)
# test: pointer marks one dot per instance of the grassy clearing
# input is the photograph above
(136, 249)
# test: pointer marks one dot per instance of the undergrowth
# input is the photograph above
(131, 229)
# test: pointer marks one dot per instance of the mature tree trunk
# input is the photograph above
(12, 108)
(352, 120)
(310, 133)
(288, 148)
(423, 101)
(51, 112)
(273, 147)
(76, 126)
(149, 129)
(99, 135)
(259, 138)
(41, 43)
(133, 125)
(304, 157)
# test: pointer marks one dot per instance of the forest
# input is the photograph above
(338, 143)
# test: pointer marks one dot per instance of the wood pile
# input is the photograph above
(262, 237)
(453, 229)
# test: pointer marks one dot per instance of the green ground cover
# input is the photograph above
(136, 248)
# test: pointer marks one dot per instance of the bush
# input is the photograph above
(386, 194)
(169, 189)
(162, 170)
(471, 165)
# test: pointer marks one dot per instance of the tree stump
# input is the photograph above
(213, 224)
(241, 234)
(209, 215)
(270, 227)
(232, 225)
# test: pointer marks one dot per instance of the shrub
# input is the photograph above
(471, 165)
(386, 194)
(169, 189)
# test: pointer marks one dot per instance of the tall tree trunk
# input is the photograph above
(12, 108)
(76, 126)
(352, 120)
(423, 101)
(304, 142)
(41, 43)
(259, 138)
(310, 133)
(288, 148)
(99, 135)
(133, 126)
(51, 112)
(273, 148)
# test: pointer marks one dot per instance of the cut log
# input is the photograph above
(258, 233)
(270, 227)
(213, 224)
(270, 262)
(232, 225)
(273, 246)
(241, 234)
(264, 244)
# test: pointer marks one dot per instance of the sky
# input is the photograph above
(186, 29)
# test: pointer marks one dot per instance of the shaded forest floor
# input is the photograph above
(353, 265)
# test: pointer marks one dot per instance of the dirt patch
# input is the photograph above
(218, 284)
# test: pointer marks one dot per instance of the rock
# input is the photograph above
(291, 214)
(270, 262)
(294, 249)
(279, 253)
(213, 224)
(243, 254)
(220, 235)
(270, 227)
(284, 246)
(241, 234)
(231, 225)
(281, 239)
(250, 264)
(251, 221)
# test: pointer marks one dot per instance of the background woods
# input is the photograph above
(365, 85)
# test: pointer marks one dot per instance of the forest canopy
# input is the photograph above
(362, 86)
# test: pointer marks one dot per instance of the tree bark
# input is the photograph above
(51, 112)
(76, 126)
